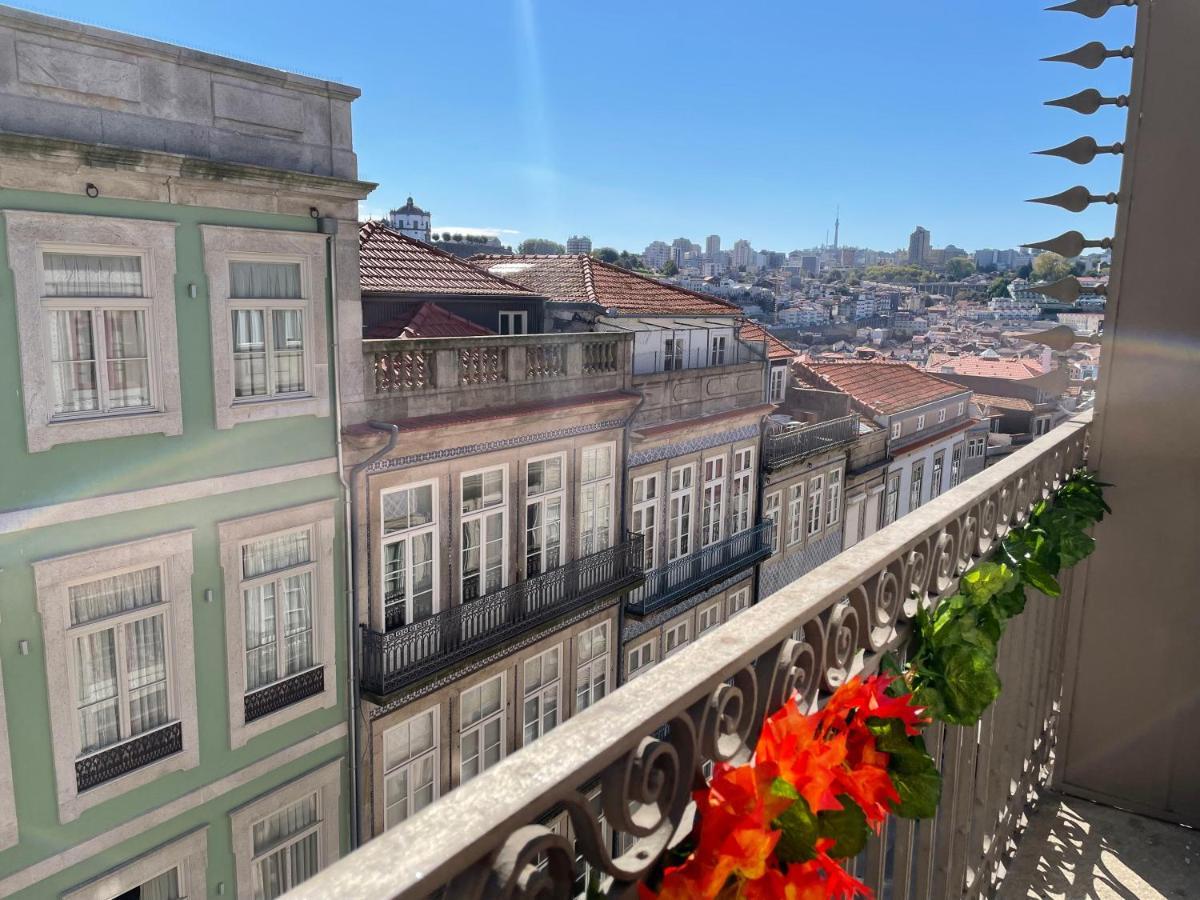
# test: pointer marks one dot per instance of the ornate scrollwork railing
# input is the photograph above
(786, 445)
(482, 839)
(127, 756)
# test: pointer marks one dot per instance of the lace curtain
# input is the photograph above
(262, 608)
(264, 281)
(84, 275)
(284, 868)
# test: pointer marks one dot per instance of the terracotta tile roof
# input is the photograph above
(426, 320)
(393, 263)
(776, 349)
(1012, 369)
(582, 279)
(1015, 403)
(881, 386)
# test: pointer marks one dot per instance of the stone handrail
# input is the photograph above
(483, 839)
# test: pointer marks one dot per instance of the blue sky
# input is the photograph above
(636, 121)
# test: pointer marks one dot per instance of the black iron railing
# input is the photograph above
(274, 697)
(696, 571)
(798, 441)
(128, 756)
(394, 658)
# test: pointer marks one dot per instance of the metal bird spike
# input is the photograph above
(1090, 56)
(1070, 244)
(1081, 151)
(1093, 9)
(1065, 291)
(1075, 199)
(1060, 337)
(1089, 101)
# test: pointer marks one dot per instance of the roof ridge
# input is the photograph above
(674, 287)
(436, 251)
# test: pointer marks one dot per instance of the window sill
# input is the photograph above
(256, 410)
(75, 429)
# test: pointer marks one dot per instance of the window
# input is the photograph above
(771, 512)
(173, 870)
(1041, 425)
(596, 497)
(639, 659)
(676, 638)
(541, 689)
(915, 485)
(935, 481)
(543, 514)
(711, 511)
(672, 354)
(279, 614)
(287, 836)
(895, 430)
(956, 465)
(920, 421)
(796, 514)
(410, 766)
(778, 384)
(268, 313)
(645, 517)
(99, 349)
(708, 617)
(514, 322)
(591, 666)
(815, 500)
(833, 512)
(268, 340)
(891, 506)
(681, 512)
(739, 601)
(587, 880)
(410, 562)
(716, 351)
(484, 534)
(941, 415)
(742, 490)
(481, 728)
(118, 627)
(962, 407)
(976, 447)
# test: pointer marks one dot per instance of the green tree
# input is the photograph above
(540, 245)
(669, 268)
(959, 267)
(1024, 271)
(998, 287)
(629, 260)
(1051, 267)
(606, 254)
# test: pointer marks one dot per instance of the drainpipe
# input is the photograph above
(625, 520)
(352, 618)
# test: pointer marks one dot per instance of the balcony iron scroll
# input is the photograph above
(128, 756)
(408, 652)
(284, 693)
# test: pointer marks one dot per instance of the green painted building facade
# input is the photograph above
(173, 592)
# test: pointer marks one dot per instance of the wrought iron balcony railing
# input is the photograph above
(688, 574)
(275, 697)
(791, 443)
(483, 838)
(392, 659)
(128, 756)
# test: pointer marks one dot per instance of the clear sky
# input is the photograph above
(636, 121)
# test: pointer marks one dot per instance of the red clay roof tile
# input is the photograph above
(426, 320)
(881, 386)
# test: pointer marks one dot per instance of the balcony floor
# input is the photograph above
(1077, 849)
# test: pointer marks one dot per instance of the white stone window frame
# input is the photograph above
(921, 422)
(188, 855)
(319, 519)
(326, 783)
(796, 513)
(603, 486)
(773, 513)
(30, 234)
(647, 509)
(379, 604)
(543, 499)
(941, 415)
(708, 617)
(741, 485)
(815, 515)
(500, 715)
(644, 652)
(739, 601)
(540, 693)
(435, 712)
(682, 632)
(778, 389)
(223, 245)
(833, 497)
(481, 516)
(9, 833)
(713, 500)
(586, 669)
(896, 430)
(52, 578)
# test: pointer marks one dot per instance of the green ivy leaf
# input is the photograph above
(971, 684)
(1040, 578)
(800, 830)
(847, 826)
(1011, 602)
(987, 580)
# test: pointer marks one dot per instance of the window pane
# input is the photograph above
(84, 275)
(128, 358)
(73, 361)
(115, 594)
(289, 351)
(96, 694)
(249, 353)
(276, 553)
(260, 636)
(264, 280)
(145, 650)
(297, 622)
(290, 820)
(164, 887)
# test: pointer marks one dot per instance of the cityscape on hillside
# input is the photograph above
(346, 555)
